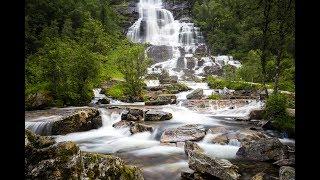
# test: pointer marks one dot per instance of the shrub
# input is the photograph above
(116, 91)
(215, 96)
(276, 111)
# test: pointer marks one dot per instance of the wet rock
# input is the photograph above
(39, 100)
(104, 101)
(180, 63)
(201, 50)
(46, 160)
(166, 78)
(163, 99)
(267, 125)
(259, 176)
(196, 94)
(212, 70)
(285, 162)
(98, 166)
(138, 128)
(132, 115)
(287, 173)
(122, 124)
(218, 129)
(81, 120)
(160, 53)
(191, 146)
(191, 132)
(200, 62)
(220, 168)
(256, 114)
(262, 150)
(152, 115)
(191, 62)
(223, 136)
(175, 88)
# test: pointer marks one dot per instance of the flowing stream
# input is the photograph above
(157, 26)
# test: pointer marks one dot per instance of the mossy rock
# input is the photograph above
(99, 166)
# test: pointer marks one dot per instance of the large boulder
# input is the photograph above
(190, 146)
(191, 62)
(39, 100)
(201, 50)
(287, 173)
(180, 63)
(191, 132)
(196, 94)
(46, 160)
(132, 115)
(160, 53)
(220, 168)
(81, 120)
(152, 115)
(263, 150)
(98, 166)
(122, 124)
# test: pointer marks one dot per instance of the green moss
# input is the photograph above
(215, 96)
(116, 91)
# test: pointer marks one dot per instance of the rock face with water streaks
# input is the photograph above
(263, 150)
(81, 120)
(152, 115)
(160, 53)
(191, 132)
(220, 168)
(46, 159)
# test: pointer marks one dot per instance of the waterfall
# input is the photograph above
(158, 27)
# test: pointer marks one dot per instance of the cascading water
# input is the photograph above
(158, 27)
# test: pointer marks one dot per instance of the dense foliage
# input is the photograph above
(72, 46)
(258, 33)
(276, 106)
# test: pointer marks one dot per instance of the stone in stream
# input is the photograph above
(162, 99)
(100, 166)
(262, 150)
(104, 101)
(190, 146)
(134, 127)
(138, 128)
(259, 176)
(159, 53)
(287, 173)
(46, 159)
(153, 115)
(132, 115)
(191, 132)
(220, 168)
(122, 124)
(256, 114)
(196, 94)
(81, 120)
(242, 136)
(285, 162)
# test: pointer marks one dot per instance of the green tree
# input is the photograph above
(133, 65)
